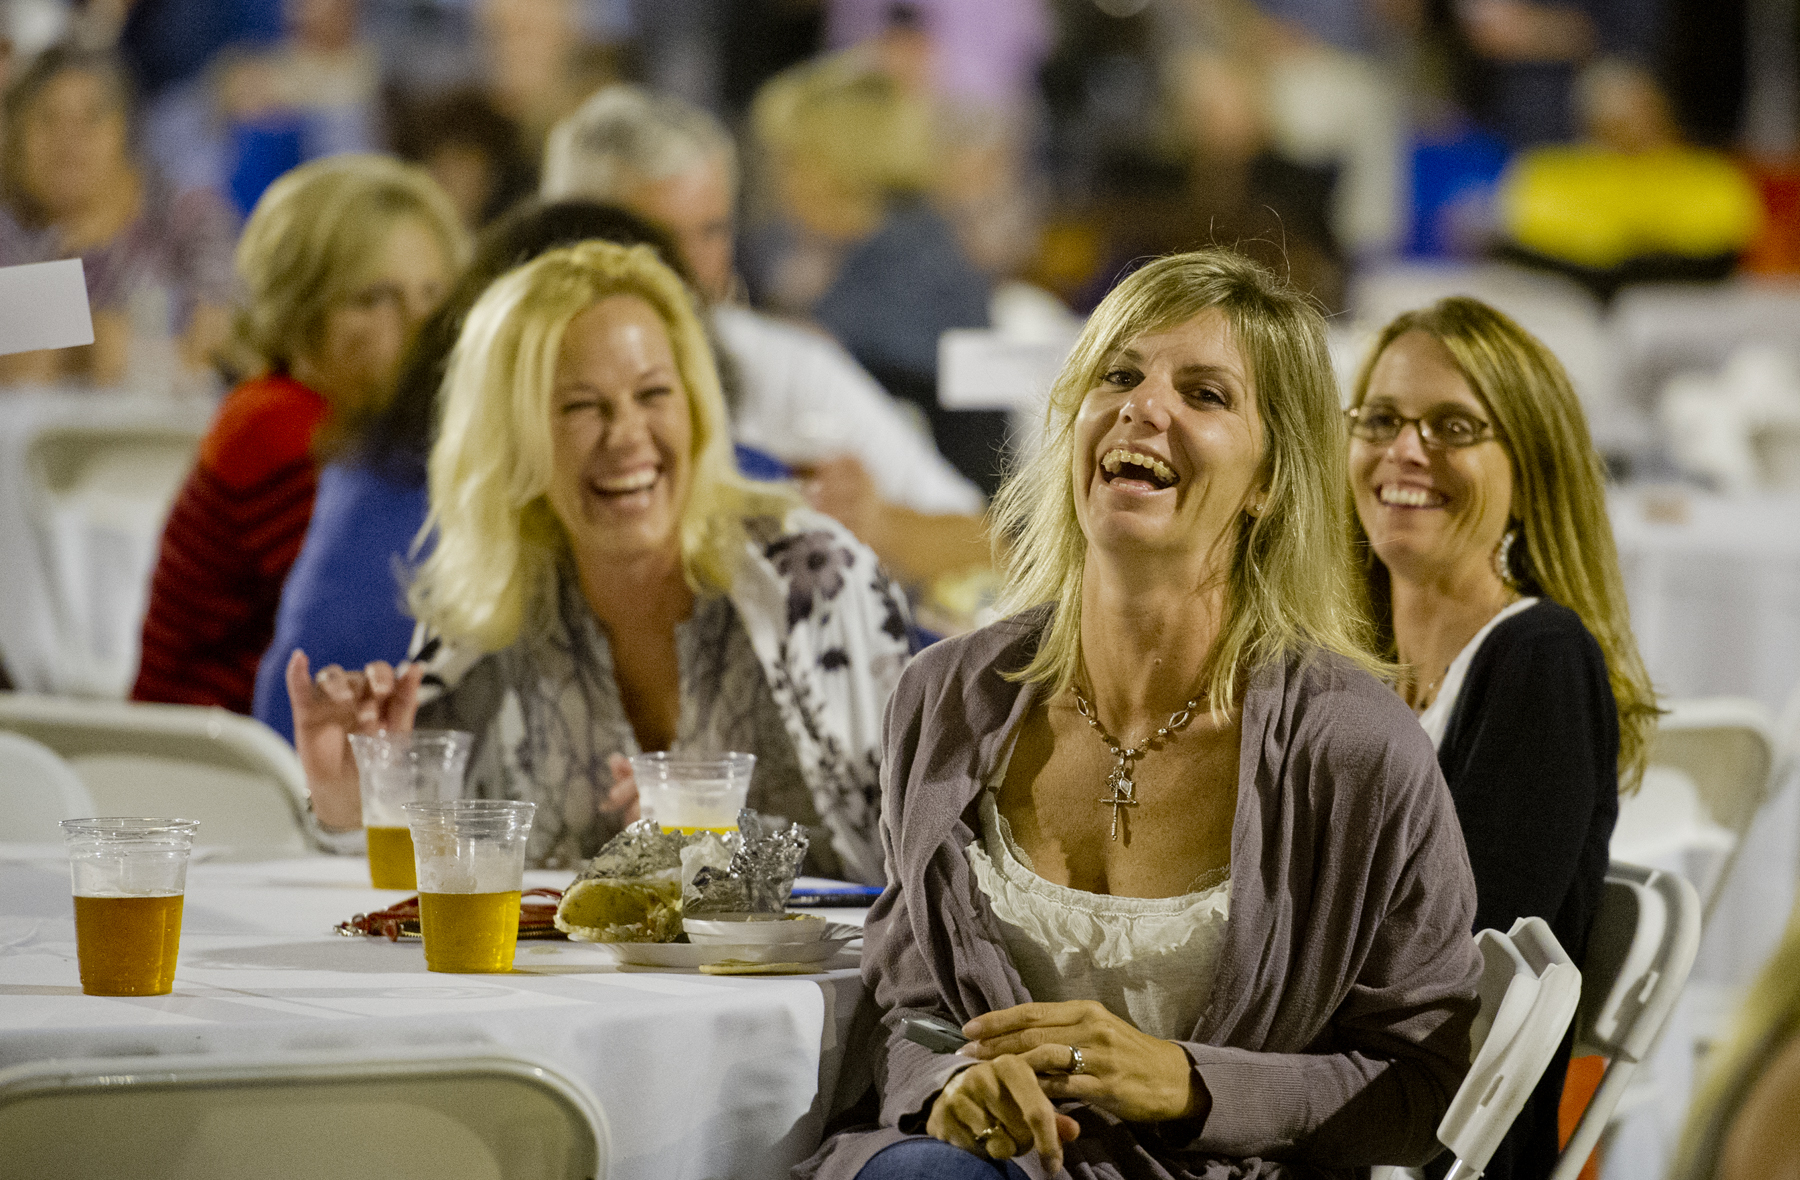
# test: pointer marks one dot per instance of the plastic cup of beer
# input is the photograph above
(129, 876)
(470, 855)
(395, 769)
(693, 794)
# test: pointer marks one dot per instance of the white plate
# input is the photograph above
(690, 954)
(789, 930)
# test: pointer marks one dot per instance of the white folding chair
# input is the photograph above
(1787, 742)
(295, 1116)
(1529, 990)
(1724, 751)
(232, 773)
(100, 493)
(38, 791)
(1640, 949)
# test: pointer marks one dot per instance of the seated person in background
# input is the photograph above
(603, 582)
(345, 598)
(1632, 204)
(800, 397)
(1177, 861)
(471, 148)
(157, 262)
(850, 156)
(1741, 1125)
(1494, 580)
(340, 262)
(263, 108)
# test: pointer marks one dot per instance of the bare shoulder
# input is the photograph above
(1760, 1141)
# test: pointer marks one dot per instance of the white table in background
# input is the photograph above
(1714, 587)
(699, 1076)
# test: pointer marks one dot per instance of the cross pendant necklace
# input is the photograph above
(1121, 790)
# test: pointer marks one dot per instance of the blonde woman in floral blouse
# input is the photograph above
(603, 582)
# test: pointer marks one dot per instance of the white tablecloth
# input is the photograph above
(699, 1076)
(1714, 585)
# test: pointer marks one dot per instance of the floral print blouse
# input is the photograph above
(794, 664)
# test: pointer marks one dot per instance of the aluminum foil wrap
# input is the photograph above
(630, 891)
(758, 876)
(637, 888)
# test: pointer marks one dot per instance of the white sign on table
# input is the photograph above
(44, 305)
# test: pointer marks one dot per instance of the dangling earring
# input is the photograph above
(1503, 559)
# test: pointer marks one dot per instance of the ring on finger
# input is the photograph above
(1076, 1063)
(983, 1135)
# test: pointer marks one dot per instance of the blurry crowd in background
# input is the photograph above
(1050, 141)
(882, 172)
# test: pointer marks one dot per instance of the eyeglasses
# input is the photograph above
(1442, 427)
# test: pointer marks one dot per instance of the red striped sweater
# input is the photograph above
(235, 529)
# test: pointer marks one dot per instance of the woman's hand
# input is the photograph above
(842, 488)
(329, 708)
(998, 1109)
(622, 800)
(1140, 1078)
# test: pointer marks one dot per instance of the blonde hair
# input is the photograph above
(1292, 586)
(623, 135)
(1766, 1021)
(1565, 548)
(853, 122)
(498, 540)
(313, 237)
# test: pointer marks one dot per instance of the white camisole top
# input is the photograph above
(1149, 960)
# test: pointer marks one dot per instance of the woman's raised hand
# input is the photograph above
(1138, 1077)
(997, 1109)
(331, 706)
(622, 799)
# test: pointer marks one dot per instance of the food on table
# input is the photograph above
(537, 918)
(636, 888)
(623, 909)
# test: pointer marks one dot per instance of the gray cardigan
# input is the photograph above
(1339, 1022)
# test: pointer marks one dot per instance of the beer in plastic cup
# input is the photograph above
(470, 855)
(693, 794)
(129, 876)
(396, 769)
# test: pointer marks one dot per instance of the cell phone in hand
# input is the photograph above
(935, 1033)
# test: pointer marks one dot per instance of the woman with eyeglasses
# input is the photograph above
(1495, 584)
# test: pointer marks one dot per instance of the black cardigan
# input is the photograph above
(1531, 755)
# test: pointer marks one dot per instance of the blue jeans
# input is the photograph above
(933, 1159)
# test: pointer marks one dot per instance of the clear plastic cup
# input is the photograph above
(394, 769)
(470, 855)
(693, 794)
(129, 878)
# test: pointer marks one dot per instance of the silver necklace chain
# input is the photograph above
(1123, 791)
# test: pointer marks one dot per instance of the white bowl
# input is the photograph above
(763, 929)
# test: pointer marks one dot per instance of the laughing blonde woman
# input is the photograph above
(605, 583)
(1162, 844)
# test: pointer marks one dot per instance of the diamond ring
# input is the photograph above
(1076, 1064)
